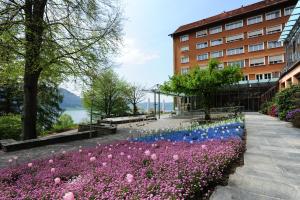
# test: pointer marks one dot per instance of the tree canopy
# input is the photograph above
(107, 95)
(203, 82)
(67, 38)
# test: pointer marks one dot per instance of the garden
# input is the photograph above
(285, 105)
(185, 163)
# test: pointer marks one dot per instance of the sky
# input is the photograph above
(146, 56)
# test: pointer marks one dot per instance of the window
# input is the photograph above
(275, 74)
(276, 59)
(255, 33)
(256, 47)
(257, 62)
(234, 25)
(185, 70)
(216, 54)
(263, 76)
(201, 33)
(185, 59)
(221, 66)
(214, 30)
(204, 66)
(216, 42)
(201, 45)
(274, 44)
(235, 38)
(235, 51)
(259, 76)
(273, 15)
(268, 76)
(245, 78)
(274, 29)
(184, 38)
(288, 10)
(240, 63)
(185, 48)
(254, 20)
(202, 57)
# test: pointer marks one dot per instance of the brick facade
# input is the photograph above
(269, 70)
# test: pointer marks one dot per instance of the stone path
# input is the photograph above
(272, 163)
(123, 133)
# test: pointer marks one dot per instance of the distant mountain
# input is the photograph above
(70, 100)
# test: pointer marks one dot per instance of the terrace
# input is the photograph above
(175, 148)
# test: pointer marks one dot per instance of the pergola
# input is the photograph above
(157, 92)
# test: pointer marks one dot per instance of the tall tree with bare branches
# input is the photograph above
(56, 36)
(135, 96)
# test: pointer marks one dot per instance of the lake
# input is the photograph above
(78, 115)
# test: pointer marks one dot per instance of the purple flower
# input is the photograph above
(291, 114)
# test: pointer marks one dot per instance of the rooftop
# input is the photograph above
(229, 14)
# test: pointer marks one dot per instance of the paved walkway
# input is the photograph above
(123, 133)
(272, 163)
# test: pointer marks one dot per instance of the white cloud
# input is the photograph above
(132, 54)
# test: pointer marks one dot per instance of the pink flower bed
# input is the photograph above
(125, 170)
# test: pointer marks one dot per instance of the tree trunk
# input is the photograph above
(135, 109)
(34, 28)
(207, 106)
(30, 106)
(207, 114)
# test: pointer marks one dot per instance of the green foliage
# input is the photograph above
(49, 99)
(49, 109)
(285, 100)
(10, 127)
(107, 95)
(203, 82)
(265, 107)
(55, 38)
(64, 122)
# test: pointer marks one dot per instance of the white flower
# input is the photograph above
(154, 156)
(92, 159)
(129, 178)
(175, 157)
(147, 153)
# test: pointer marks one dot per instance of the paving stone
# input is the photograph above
(272, 163)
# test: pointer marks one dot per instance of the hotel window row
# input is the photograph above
(238, 37)
(252, 47)
(266, 76)
(240, 23)
(257, 61)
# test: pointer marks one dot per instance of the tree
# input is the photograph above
(69, 37)
(107, 95)
(203, 82)
(11, 101)
(135, 96)
(49, 109)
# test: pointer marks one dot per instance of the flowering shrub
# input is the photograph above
(198, 134)
(164, 169)
(273, 111)
(291, 114)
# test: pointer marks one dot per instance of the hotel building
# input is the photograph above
(247, 37)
